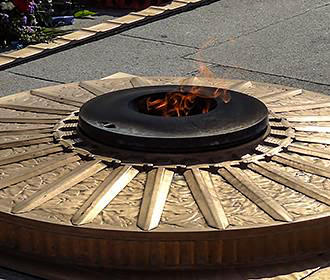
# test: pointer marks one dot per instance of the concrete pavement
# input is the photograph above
(284, 42)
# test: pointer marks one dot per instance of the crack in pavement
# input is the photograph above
(232, 72)
(35, 77)
(255, 71)
(158, 41)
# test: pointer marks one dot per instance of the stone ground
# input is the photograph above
(284, 41)
(102, 15)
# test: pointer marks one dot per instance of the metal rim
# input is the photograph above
(133, 130)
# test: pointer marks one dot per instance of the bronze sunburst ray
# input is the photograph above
(312, 139)
(292, 108)
(274, 97)
(62, 184)
(240, 85)
(39, 169)
(278, 132)
(204, 194)
(102, 196)
(240, 181)
(51, 111)
(308, 118)
(61, 100)
(277, 123)
(308, 151)
(287, 180)
(140, 82)
(35, 153)
(36, 120)
(39, 139)
(312, 128)
(154, 197)
(92, 88)
(301, 164)
(27, 131)
(270, 93)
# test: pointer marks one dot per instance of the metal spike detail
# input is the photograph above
(312, 139)
(240, 181)
(33, 109)
(27, 131)
(140, 82)
(312, 128)
(31, 155)
(30, 120)
(39, 169)
(42, 138)
(280, 95)
(58, 99)
(154, 198)
(104, 194)
(206, 198)
(301, 164)
(62, 184)
(298, 185)
(300, 149)
(92, 88)
(310, 118)
(281, 109)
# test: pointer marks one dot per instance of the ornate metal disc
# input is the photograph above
(64, 200)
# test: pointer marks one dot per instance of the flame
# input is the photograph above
(181, 103)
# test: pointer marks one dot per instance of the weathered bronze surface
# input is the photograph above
(63, 200)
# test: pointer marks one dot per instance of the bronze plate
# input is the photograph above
(65, 202)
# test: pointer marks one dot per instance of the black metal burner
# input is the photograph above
(115, 119)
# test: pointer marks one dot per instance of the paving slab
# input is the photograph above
(296, 48)
(223, 20)
(11, 83)
(228, 72)
(282, 42)
(99, 59)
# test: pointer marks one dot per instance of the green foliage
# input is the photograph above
(83, 13)
(23, 21)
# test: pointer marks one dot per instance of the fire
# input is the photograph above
(181, 103)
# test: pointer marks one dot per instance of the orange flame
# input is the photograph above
(180, 103)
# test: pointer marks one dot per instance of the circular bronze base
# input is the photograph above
(64, 201)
